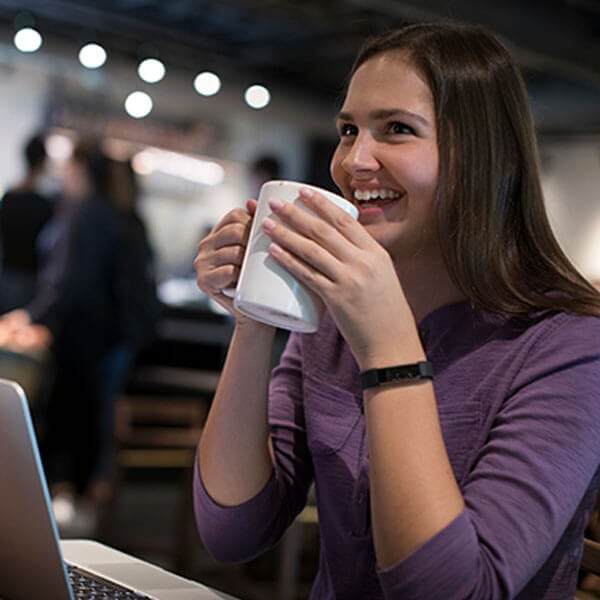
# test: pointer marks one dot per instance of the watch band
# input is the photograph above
(401, 374)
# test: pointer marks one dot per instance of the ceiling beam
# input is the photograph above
(550, 36)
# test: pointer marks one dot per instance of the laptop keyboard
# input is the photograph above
(87, 586)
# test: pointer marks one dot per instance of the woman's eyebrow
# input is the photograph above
(385, 113)
(343, 116)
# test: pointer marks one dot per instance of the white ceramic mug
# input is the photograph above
(265, 291)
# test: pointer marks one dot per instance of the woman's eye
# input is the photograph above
(398, 128)
(347, 129)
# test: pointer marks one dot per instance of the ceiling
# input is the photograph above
(308, 45)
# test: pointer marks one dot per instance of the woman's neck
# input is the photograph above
(427, 286)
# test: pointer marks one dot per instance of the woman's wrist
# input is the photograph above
(250, 328)
(392, 349)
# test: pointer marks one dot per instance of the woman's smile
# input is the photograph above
(375, 198)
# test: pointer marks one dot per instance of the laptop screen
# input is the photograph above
(30, 556)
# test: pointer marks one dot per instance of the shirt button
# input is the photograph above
(361, 497)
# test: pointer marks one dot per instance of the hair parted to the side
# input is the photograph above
(491, 219)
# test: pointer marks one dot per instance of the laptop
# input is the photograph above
(34, 562)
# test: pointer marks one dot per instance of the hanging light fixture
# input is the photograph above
(138, 105)
(257, 96)
(28, 39)
(207, 83)
(151, 70)
(92, 55)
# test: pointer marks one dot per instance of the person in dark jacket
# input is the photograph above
(23, 213)
(96, 299)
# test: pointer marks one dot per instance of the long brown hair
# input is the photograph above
(491, 219)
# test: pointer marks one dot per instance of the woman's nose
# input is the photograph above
(361, 156)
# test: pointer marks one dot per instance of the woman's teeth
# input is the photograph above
(366, 196)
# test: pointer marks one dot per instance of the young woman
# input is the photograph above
(477, 482)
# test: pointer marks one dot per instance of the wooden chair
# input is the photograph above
(590, 560)
(156, 434)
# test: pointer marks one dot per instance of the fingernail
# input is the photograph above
(275, 204)
(275, 249)
(307, 192)
(268, 224)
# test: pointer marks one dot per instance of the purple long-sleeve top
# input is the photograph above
(519, 405)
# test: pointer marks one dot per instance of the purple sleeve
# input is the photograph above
(235, 533)
(527, 482)
(238, 533)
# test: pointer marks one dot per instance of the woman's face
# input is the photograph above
(387, 158)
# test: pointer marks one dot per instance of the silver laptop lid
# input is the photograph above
(30, 555)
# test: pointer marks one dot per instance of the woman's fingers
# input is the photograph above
(233, 228)
(318, 278)
(328, 225)
(290, 247)
(332, 254)
(325, 240)
(221, 252)
(221, 272)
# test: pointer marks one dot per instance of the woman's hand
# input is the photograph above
(220, 255)
(354, 275)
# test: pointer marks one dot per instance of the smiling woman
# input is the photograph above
(476, 483)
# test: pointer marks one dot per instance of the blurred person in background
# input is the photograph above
(77, 302)
(137, 313)
(263, 168)
(24, 211)
(84, 302)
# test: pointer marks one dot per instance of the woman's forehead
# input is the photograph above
(388, 81)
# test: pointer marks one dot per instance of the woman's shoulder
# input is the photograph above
(562, 343)
(568, 325)
(563, 333)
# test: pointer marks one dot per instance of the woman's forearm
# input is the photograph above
(234, 457)
(414, 494)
